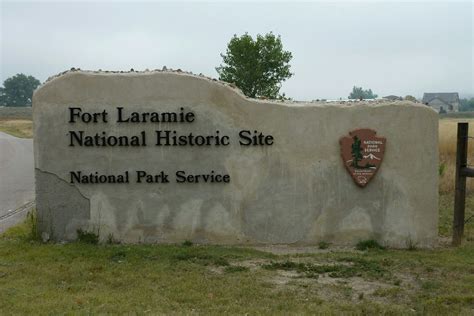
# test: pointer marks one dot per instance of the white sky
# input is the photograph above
(393, 48)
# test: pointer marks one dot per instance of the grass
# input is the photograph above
(81, 278)
(17, 127)
(446, 206)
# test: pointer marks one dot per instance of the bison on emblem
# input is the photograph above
(362, 153)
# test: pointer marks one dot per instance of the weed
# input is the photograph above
(87, 237)
(369, 244)
(441, 169)
(411, 245)
(32, 220)
(111, 239)
(323, 245)
(187, 243)
(285, 265)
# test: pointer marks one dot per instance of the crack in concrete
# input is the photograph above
(64, 181)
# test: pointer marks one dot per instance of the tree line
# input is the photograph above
(18, 90)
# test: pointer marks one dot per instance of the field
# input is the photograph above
(16, 113)
(447, 152)
(18, 128)
(447, 158)
(82, 278)
(16, 121)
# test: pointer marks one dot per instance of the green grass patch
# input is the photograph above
(88, 278)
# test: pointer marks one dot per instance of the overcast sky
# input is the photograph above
(393, 48)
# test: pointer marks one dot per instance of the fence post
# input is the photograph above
(460, 183)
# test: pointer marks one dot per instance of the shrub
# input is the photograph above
(323, 245)
(87, 237)
(187, 243)
(411, 245)
(368, 244)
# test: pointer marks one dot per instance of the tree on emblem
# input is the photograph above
(356, 152)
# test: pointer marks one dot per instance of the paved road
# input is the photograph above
(17, 183)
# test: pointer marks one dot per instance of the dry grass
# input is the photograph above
(447, 152)
(16, 127)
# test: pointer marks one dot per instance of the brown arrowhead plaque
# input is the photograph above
(362, 153)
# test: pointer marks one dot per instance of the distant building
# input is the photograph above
(442, 102)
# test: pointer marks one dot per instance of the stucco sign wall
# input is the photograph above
(167, 157)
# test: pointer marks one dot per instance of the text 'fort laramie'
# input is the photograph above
(160, 137)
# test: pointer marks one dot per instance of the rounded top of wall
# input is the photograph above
(230, 86)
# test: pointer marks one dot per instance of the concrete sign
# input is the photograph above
(167, 157)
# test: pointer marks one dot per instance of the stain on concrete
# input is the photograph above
(61, 208)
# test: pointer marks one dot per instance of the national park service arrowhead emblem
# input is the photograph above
(362, 153)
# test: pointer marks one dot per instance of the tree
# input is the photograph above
(410, 98)
(18, 90)
(356, 152)
(257, 67)
(467, 105)
(359, 93)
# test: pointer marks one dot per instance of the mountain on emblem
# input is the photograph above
(362, 153)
